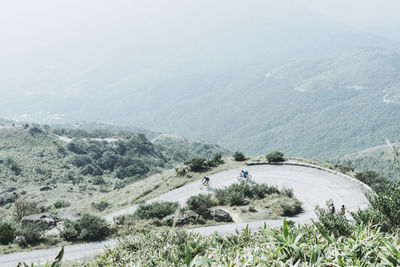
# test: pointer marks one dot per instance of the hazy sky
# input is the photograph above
(359, 13)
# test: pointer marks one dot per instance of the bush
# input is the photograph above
(201, 204)
(275, 156)
(155, 210)
(332, 223)
(374, 180)
(287, 192)
(373, 217)
(387, 203)
(239, 156)
(7, 233)
(87, 228)
(197, 164)
(252, 209)
(235, 194)
(101, 206)
(23, 208)
(61, 204)
(98, 180)
(216, 160)
(31, 234)
(292, 209)
(181, 171)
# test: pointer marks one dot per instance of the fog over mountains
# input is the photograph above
(248, 75)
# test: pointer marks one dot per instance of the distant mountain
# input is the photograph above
(317, 108)
(379, 159)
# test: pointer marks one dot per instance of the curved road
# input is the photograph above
(311, 186)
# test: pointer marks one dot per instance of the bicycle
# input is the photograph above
(247, 178)
(204, 185)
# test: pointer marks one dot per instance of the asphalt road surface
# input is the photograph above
(311, 186)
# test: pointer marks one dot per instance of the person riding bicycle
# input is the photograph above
(205, 180)
(244, 174)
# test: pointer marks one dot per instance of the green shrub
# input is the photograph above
(155, 210)
(61, 204)
(101, 206)
(239, 156)
(236, 198)
(201, 204)
(98, 180)
(387, 203)
(197, 164)
(235, 194)
(291, 209)
(275, 156)
(373, 217)
(252, 209)
(287, 192)
(344, 168)
(87, 228)
(374, 180)
(23, 207)
(181, 171)
(7, 233)
(31, 234)
(332, 223)
(215, 160)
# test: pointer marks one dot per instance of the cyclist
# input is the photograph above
(343, 210)
(244, 174)
(205, 180)
(332, 208)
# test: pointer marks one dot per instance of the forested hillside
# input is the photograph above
(34, 158)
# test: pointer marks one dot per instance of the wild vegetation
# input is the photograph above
(289, 245)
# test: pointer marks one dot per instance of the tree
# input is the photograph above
(275, 156)
(239, 156)
(197, 164)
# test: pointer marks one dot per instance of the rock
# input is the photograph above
(45, 188)
(187, 217)
(221, 216)
(67, 214)
(46, 218)
(8, 198)
(11, 189)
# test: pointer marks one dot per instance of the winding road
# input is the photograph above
(312, 185)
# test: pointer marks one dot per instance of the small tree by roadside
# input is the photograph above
(239, 156)
(275, 156)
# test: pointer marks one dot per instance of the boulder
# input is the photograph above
(11, 189)
(45, 188)
(45, 218)
(221, 216)
(187, 217)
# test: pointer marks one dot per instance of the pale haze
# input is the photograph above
(295, 69)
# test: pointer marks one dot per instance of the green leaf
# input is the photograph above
(58, 259)
(285, 229)
(341, 263)
(188, 256)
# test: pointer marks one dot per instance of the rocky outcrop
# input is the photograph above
(47, 219)
(187, 217)
(220, 215)
(45, 188)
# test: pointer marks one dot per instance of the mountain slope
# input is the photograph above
(379, 159)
